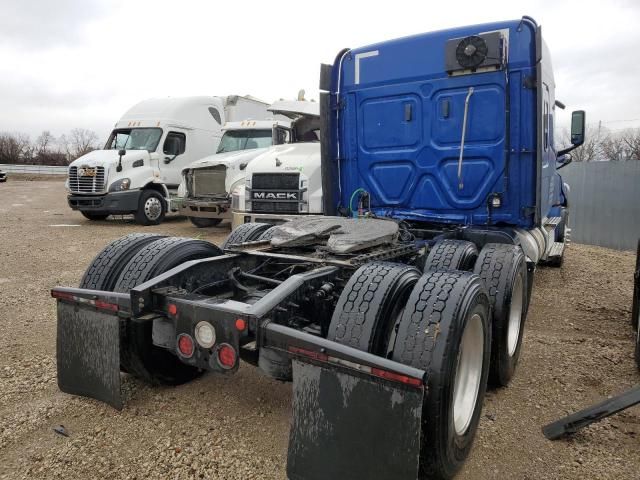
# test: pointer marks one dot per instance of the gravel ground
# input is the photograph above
(577, 349)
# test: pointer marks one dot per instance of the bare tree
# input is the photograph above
(613, 148)
(631, 139)
(591, 149)
(15, 148)
(80, 141)
(44, 142)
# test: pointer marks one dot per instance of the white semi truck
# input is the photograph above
(203, 195)
(139, 169)
(207, 183)
(285, 181)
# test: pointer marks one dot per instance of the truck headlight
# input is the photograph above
(120, 185)
(238, 198)
(235, 199)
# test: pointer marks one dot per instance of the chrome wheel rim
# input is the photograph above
(152, 208)
(515, 317)
(468, 374)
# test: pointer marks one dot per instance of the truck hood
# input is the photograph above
(106, 158)
(302, 157)
(230, 159)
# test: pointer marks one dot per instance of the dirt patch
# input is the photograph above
(578, 348)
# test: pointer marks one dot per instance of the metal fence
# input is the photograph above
(39, 169)
(604, 203)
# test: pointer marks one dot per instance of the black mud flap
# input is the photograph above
(88, 353)
(346, 426)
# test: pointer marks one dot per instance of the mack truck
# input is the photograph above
(392, 312)
(139, 169)
(207, 184)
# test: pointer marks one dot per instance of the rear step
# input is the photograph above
(557, 249)
(553, 222)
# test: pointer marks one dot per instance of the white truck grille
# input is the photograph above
(209, 182)
(86, 179)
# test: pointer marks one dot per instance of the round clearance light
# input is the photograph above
(226, 356)
(241, 324)
(185, 345)
(205, 334)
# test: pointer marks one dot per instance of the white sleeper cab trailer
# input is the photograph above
(207, 184)
(285, 181)
(140, 167)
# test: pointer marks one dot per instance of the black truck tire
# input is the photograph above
(635, 305)
(268, 233)
(151, 208)
(138, 355)
(103, 272)
(445, 330)
(94, 215)
(370, 305)
(247, 232)
(201, 222)
(161, 255)
(451, 255)
(503, 268)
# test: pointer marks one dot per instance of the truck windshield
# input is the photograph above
(134, 139)
(233, 140)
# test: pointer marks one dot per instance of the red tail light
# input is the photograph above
(226, 356)
(185, 345)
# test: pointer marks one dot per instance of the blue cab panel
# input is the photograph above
(399, 114)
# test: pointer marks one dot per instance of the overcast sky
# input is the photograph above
(82, 63)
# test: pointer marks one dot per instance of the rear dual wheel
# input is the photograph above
(445, 330)
(138, 355)
(128, 262)
(102, 273)
(451, 255)
(503, 269)
(438, 322)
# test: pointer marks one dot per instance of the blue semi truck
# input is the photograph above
(392, 313)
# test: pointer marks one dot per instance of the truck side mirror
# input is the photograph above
(577, 127)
